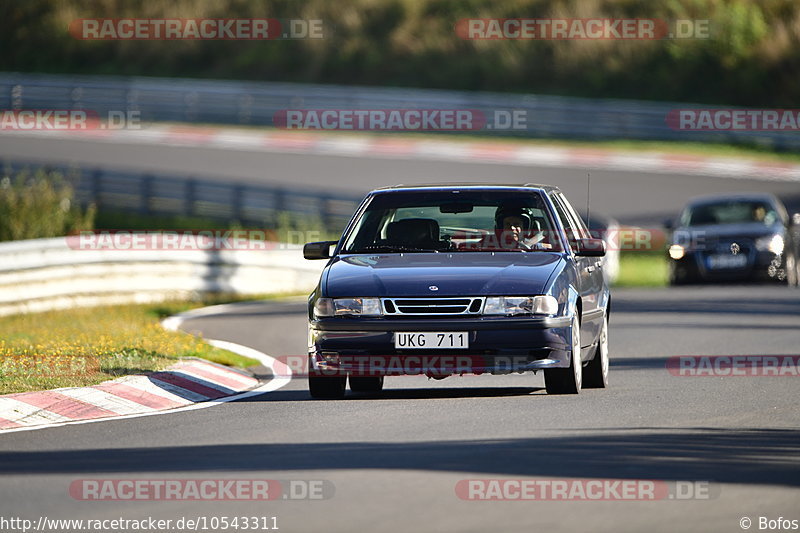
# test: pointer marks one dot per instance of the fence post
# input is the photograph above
(238, 199)
(325, 211)
(191, 195)
(279, 196)
(146, 187)
(96, 187)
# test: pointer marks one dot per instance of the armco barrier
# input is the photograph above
(253, 103)
(150, 193)
(44, 274)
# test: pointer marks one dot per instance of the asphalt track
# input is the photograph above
(395, 460)
(633, 196)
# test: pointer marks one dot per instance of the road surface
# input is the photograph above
(393, 462)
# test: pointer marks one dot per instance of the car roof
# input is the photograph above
(460, 186)
(714, 198)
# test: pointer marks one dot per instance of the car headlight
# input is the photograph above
(772, 243)
(521, 305)
(676, 251)
(326, 307)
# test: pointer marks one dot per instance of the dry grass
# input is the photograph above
(86, 346)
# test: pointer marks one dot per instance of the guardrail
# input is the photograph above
(251, 103)
(164, 194)
(45, 274)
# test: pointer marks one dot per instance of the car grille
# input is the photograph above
(723, 246)
(432, 306)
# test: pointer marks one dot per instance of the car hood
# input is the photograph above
(456, 274)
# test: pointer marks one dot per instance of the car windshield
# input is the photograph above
(731, 212)
(453, 221)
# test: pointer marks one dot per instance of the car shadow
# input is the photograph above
(433, 393)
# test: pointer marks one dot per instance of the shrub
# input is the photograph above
(40, 205)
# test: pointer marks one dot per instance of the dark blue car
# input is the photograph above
(444, 280)
(735, 237)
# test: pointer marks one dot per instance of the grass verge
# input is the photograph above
(86, 346)
(643, 269)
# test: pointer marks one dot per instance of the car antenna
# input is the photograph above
(588, 191)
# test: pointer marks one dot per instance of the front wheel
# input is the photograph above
(567, 380)
(326, 387)
(597, 369)
(366, 383)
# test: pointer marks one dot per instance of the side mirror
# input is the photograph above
(668, 224)
(591, 248)
(318, 250)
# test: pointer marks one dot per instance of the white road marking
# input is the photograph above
(104, 400)
(735, 168)
(26, 414)
(273, 385)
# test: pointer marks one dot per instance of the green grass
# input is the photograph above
(86, 346)
(643, 269)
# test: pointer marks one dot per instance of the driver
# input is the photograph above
(512, 227)
(512, 231)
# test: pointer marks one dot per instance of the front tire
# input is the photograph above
(366, 383)
(326, 387)
(596, 372)
(567, 380)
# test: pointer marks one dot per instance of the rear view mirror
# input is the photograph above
(456, 207)
(591, 248)
(318, 250)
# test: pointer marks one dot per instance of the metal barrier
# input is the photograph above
(157, 194)
(44, 274)
(251, 103)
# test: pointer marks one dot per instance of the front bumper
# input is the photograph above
(497, 345)
(760, 266)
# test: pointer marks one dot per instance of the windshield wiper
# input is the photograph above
(487, 250)
(390, 248)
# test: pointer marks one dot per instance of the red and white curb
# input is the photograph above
(393, 147)
(189, 384)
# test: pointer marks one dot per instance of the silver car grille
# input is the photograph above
(433, 306)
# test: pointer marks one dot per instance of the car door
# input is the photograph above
(590, 275)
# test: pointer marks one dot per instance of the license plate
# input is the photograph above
(431, 340)
(727, 261)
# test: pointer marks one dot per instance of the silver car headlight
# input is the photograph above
(772, 243)
(327, 307)
(520, 305)
(676, 251)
